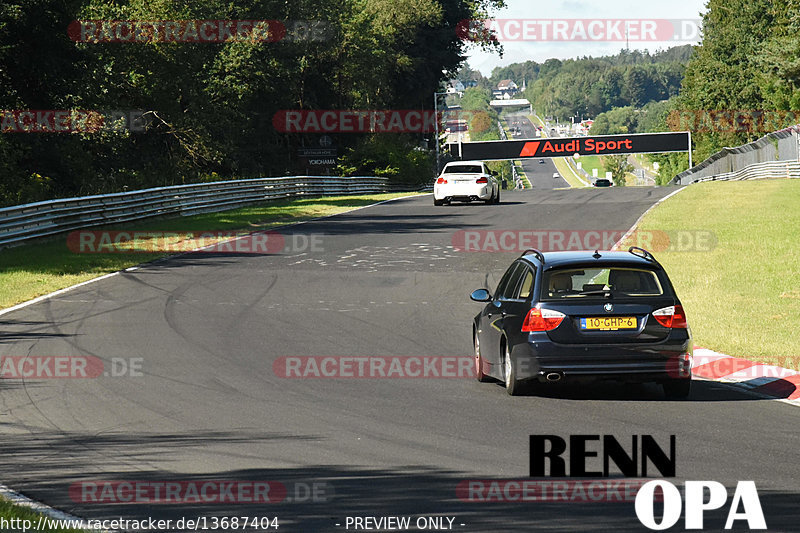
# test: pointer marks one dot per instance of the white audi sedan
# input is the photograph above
(466, 181)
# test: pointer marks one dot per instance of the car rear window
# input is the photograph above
(464, 169)
(578, 283)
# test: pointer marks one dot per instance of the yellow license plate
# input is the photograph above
(609, 323)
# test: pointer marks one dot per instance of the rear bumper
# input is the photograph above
(462, 192)
(640, 363)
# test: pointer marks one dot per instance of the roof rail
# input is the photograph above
(535, 252)
(644, 254)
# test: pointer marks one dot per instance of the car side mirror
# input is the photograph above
(481, 295)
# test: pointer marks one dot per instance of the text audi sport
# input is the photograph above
(583, 315)
(466, 181)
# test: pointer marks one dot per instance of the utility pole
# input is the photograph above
(436, 127)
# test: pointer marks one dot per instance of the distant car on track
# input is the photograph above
(556, 175)
(577, 316)
(603, 182)
(541, 161)
(466, 181)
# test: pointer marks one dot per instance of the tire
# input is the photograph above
(476, 343)
(513, 386)
(490, 201)
(438, 202)
(677, 389)
(497, 200)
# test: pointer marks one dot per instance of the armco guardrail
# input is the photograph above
(775, 169)
(776, 147)
(579, 172)
(29, 221)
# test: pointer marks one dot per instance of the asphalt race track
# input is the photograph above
(206, 329)
(539, 174)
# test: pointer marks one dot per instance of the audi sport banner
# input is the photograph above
(639, 143)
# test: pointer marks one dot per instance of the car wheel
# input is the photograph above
(497, 199)
(438, 202)
(513, 386)
(677, 388)
(476, 342)
(490, 200)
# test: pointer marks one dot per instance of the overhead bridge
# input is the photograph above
(510, 103)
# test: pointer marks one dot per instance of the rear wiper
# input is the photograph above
(597, 293)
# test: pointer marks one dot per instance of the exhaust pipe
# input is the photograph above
(553, 377)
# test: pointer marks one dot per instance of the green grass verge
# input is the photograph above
(567, 173)
(589, 162)
(742, 297)
(44, 266)
(536, 120)
(630, 179)
(17, 513)
(526, 183)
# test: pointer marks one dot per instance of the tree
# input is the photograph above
(211, 105)
(618, 166)
(476, 99)
(480, 123)
(518, 72)
(591, 86)
(725, 70)
(618, 120)
(778, 75)
(635, 86)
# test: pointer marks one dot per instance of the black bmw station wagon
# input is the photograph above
(571, 316)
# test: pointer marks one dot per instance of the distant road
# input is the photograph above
(540, 174)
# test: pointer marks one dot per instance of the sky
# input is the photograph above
(655, 22)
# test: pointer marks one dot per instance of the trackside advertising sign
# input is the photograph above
(566, 146)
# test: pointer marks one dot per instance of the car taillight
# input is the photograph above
(671, 317)
(441, 180)
(542, 320)
(482, 180)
